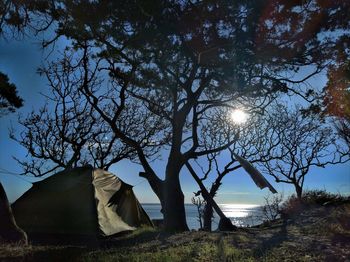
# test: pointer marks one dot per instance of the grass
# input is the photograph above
(318, 233)
(311, 198)
(184, 253)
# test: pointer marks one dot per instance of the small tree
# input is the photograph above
(305, 141)
(199, 203)
(271, 209)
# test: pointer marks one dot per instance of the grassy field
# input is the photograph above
(319, 233)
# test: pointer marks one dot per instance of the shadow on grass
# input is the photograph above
(268, 244)
(140, 236)
(48, 253)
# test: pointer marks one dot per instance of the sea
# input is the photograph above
(242, 215)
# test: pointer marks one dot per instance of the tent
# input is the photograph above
(81, 201)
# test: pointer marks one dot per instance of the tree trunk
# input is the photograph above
(9, 231)
(207, 216)
(299, 191)
(174, 201)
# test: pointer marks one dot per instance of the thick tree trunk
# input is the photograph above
(9, 231)
(207, 216)
(174, 201)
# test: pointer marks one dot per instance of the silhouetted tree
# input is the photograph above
(9, 99)
(66, 132)
(254, 143)
(9, 231)
(303, 142)
(181, 61)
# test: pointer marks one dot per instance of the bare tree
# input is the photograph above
(304, 142)
(254, 143)
(271, 209)
(199, 203)
(65, 132)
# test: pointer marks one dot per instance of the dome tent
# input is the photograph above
(79, 202)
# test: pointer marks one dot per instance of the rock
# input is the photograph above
(226, 225)
(158, 223)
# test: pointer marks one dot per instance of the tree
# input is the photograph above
(66, 132)
(304, 142)
(182, 61)
(254, 143)
(9, 231)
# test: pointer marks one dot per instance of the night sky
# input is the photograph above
(20, 60)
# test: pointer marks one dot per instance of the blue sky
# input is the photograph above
(20, 60)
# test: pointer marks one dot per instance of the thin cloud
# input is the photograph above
(236, 193)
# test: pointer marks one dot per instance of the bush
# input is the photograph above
(310, 198)
(270, 211)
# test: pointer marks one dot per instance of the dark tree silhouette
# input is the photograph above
(303, 142)
(9, 99)
(182, 61)
(66, 132)
(9, 231)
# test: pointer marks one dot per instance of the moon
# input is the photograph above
(238, 116)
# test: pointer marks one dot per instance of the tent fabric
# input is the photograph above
(257, 177)
(80, 201)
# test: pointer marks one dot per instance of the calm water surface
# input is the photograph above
(240, 214)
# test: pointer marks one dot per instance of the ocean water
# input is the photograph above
(242, 215)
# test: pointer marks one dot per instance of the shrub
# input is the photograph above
(293, 205)
(271, 209)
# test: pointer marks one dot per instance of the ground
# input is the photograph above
(320, 233)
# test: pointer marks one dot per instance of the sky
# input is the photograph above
(20, 60)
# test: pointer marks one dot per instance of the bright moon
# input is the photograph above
(238, 116)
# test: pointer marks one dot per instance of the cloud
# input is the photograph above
(236, 193)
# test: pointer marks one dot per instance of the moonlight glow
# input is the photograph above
(238, 116)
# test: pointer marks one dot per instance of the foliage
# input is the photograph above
(293, 205)
(337, 97)
(9, 99)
